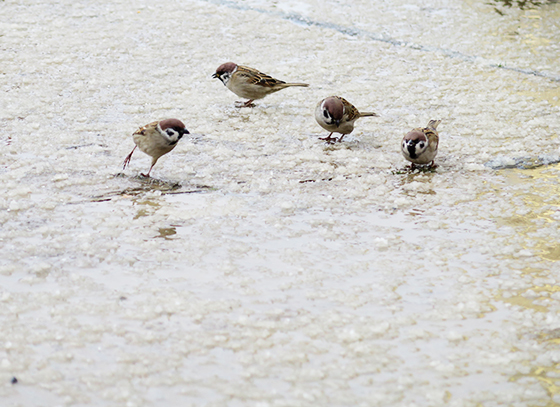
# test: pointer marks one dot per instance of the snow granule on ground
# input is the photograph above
(261, 266)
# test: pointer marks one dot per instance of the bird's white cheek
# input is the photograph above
(170, 138)
(173, 140)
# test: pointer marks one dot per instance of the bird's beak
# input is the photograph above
(186, 131)
(337, 122)
(216, 75)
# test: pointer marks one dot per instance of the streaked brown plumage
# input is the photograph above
(157, 139)
(249, 83)
(337, 115)
(420, 145)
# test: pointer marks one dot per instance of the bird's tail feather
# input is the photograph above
(432, 124)
(365, 114)
(295, 84)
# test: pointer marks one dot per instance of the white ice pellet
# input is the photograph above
(454, 336)
(294, 256)
(59, 177)
(381, 243)
(14, 206)
(7, 270)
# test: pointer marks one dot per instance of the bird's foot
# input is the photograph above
(329, 139)
(241, 104)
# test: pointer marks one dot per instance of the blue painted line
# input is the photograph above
(356, 32)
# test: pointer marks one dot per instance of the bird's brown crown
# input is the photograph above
(335, 107)
(171, 123)
(416, 135)
(226, 67)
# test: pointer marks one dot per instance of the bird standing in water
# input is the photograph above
(337, 115)
(420, 145)
(157, 139)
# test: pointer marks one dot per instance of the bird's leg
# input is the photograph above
(433, 164)
(128, 158)
(328, 139)
(148, 174)
(341, 137)
(154, 161)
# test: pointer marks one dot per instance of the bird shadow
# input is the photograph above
(425, 169)
(149, 184)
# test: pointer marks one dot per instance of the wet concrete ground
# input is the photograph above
(262, 266)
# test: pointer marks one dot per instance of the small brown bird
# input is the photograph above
(420, 145)
(249, 83)
(337, 115)
(157, 139)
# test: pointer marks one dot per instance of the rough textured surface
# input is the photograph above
(266, 268)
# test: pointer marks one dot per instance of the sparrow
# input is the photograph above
(337, 115)
(420, 145)
(249, 83)
(157, 139)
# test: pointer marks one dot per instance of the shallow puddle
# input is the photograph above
(261, 266)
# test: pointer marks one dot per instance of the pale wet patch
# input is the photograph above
(536, 191)
(532, 194)
(522, 163)
(552, 96)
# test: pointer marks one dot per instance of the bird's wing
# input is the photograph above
(258, 78)
(142, 130)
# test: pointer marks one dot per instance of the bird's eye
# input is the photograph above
(170, 132)
(421, 145)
